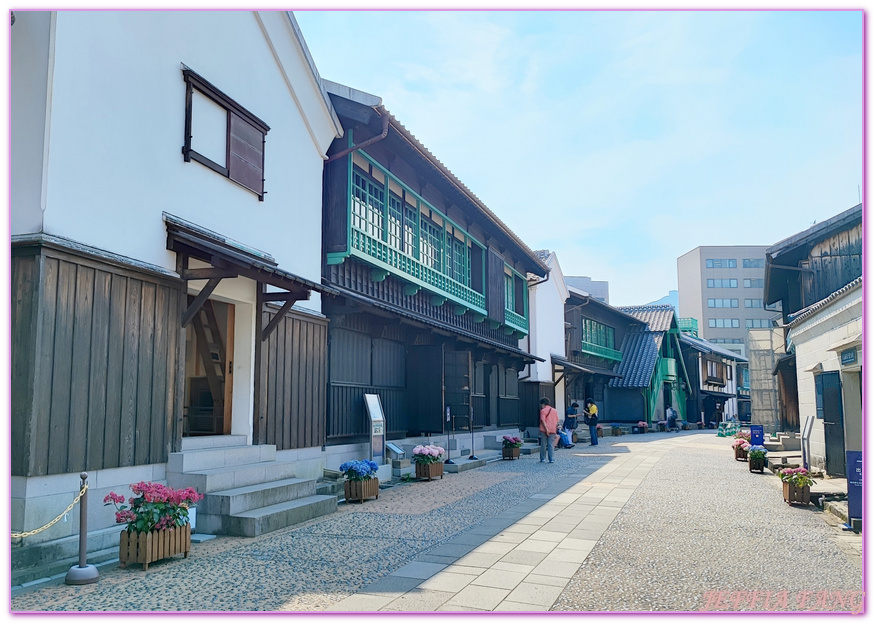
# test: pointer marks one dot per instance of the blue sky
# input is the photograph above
(622, 139)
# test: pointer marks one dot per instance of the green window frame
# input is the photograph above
(430, 244)
(368, 201)
(509, 296)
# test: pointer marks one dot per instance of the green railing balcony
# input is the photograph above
(383, 255)
(601, 351)
(517, 321)
(688, 325)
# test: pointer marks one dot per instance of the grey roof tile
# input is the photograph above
(640, 353)
(658, 317)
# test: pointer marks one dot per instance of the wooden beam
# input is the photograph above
(277, 319)
(292, 295)
(207, 273)
(198, 302)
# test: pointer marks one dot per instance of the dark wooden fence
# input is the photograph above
(94, 363)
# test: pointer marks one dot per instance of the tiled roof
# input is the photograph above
(640, 352)
(542, 254)
(808, 311)
(709, 347)
(658, 317)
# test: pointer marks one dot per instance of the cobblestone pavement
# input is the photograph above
(641, 522)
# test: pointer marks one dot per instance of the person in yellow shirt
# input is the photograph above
(591, 417)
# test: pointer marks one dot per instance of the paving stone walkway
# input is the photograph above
(512, 536)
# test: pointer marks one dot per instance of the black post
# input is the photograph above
(83, 573)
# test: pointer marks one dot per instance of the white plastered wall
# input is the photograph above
(813, 338)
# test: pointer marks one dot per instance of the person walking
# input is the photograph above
(591, 418)
(548, 430)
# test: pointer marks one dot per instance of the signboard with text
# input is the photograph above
(757, 435)
(854, 484)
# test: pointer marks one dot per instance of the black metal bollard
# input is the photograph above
(83, 573)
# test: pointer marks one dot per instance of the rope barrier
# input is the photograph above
(21, 535)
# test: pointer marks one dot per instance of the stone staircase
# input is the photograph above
(784, 442)
(247, 491)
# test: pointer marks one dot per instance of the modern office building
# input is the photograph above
(722, 287)
(598, 290)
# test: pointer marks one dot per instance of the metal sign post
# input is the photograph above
(449, 460)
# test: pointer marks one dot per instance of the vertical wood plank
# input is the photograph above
(287, 385)
(305, 422)
(79, 378)
(298, 376)
(176, 371)
(145, 363)
(99, 371)
(270, 375)
(23, 355)
(44, 367)
(114, 370)
(260, 390)
(158, 414)
(127, 425)
(59, 426)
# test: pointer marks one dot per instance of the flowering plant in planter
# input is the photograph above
(359, 470)
(737, 443)
(798, 476)
(512, 442)
(598, 427)
(757, 452)
(743, 434)
(155, 507)
(642, 424)
(427, 454)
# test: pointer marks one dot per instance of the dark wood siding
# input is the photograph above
(357, 277)
(495, 286)
(97, 344)
(425, 374)
(835, 262)
(529, 402)
(296, 378)
(335, 214)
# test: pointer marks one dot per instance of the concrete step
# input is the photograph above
(240, 499)
(277, 516)
(330, 488)
(55, 567)
(212, 441)
(225, 456)
(40, 560)
(222, 478)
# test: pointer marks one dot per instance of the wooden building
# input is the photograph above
(159, 310)
(433, 291)
(594, 334)
(817, 275)
(652, 373)
(715, 379)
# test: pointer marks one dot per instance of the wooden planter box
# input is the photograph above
(510, 454)
(616, 431)
(360, 490)
(758, 465)
(793, 494)
(429, 471)
(146, 547)
(740, 454)
(600, 433)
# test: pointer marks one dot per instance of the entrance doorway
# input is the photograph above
(209, 353)
(830, 408)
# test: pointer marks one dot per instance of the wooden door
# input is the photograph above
(425, 389)
(456, 372)
(830, 407)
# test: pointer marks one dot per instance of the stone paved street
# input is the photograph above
(641, 522)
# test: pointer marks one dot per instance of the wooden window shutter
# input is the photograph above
(246, 155)
(495, 289)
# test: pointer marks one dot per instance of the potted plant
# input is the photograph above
(510, 447)
(663, 426)
(740, 447)
(600, 430)
(428, 463)
(640, 428)
(361, 481)
(157, 522)
(796, 485)
(758, 458)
